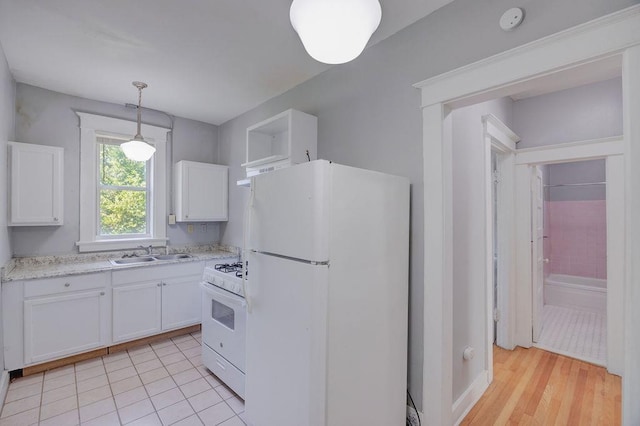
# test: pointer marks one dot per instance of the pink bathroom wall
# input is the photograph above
(578, 239)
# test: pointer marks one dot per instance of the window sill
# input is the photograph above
(105, 245)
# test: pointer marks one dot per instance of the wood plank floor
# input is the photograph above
(536, 387)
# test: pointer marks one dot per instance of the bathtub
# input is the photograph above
(576, 292)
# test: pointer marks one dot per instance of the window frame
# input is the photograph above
(92, 126)
(147, 189)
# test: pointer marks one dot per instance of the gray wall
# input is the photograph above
(7, 125)
(47, 118)
(469, 287)
(586, 112)
(577, 172)
(581, 113)
(369, 114)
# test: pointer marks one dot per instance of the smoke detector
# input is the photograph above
(511, 19)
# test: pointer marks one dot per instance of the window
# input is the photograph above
(123, 192)
(122, 202)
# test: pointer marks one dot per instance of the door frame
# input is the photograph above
(613, 151)
(615, 35)
(499, 138)
(536, 185)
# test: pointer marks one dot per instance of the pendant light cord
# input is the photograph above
(139, 109)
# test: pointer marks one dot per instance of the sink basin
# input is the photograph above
(132, 260)
(172, 256)
(145, 259)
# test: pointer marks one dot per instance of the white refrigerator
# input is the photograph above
(328, 296)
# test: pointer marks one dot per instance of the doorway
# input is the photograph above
(570, 286)
(502, 75)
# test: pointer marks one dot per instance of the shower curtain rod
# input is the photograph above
(576, 184)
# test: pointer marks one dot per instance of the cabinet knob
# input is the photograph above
(187, 216)
(164, 283)
(67, 284)
(55, 219)
(102, 293)
(159, 284)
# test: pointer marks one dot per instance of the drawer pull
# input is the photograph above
(67, 284)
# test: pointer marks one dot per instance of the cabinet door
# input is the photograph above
(56, 326)
(136, 310)
(203, 192)
(181, 302)
(36, 185)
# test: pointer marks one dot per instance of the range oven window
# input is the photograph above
(223, 314)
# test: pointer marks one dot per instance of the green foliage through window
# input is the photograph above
(122, 191)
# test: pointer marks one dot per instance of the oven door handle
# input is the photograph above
(222, 295)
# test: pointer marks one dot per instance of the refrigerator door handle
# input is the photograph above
(246, 233)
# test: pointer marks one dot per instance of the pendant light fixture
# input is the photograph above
(335, 31)
(137, 149)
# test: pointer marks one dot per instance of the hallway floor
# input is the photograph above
(163, 383)
(536, 387)
(576, 333)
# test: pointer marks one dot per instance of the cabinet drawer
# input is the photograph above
(155, 272)
(67, 284)
(225, 371)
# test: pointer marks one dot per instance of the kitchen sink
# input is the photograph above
(172, 256)
(132, 260)
(146, 259)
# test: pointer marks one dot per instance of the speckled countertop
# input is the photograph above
(27, 268)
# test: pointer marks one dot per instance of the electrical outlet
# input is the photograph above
(190, 228)
(203, 227)
(412, 417)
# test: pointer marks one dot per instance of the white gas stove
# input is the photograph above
(227, 276)
(224, 316)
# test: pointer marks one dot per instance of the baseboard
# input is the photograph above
(468, 399)
(4, 384)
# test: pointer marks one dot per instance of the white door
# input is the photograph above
(62, 325)
(286, 342)
(136, 310)
(180, 302)
(537, 233)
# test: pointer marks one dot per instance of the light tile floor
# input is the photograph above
(576, 333)
(163, 383)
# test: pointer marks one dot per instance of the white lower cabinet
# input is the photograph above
(181, 302)
(136, 311)
(70, 319)
(150, 300)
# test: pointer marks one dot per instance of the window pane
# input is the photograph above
(123, 212)
(117, 170)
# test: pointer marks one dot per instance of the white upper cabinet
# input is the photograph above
(201, 192)
(36, 184)
(290, 137)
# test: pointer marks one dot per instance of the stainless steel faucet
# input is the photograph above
(148, 249)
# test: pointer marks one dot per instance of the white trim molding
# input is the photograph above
(90, 126)
(468, 399)
(631, 120)
(500, 139)
(617, 34)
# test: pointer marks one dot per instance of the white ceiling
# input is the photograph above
(208, 60)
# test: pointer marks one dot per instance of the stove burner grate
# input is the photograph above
(230, 267)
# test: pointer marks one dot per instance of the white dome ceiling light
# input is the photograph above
(137, 149)
(335, 31)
